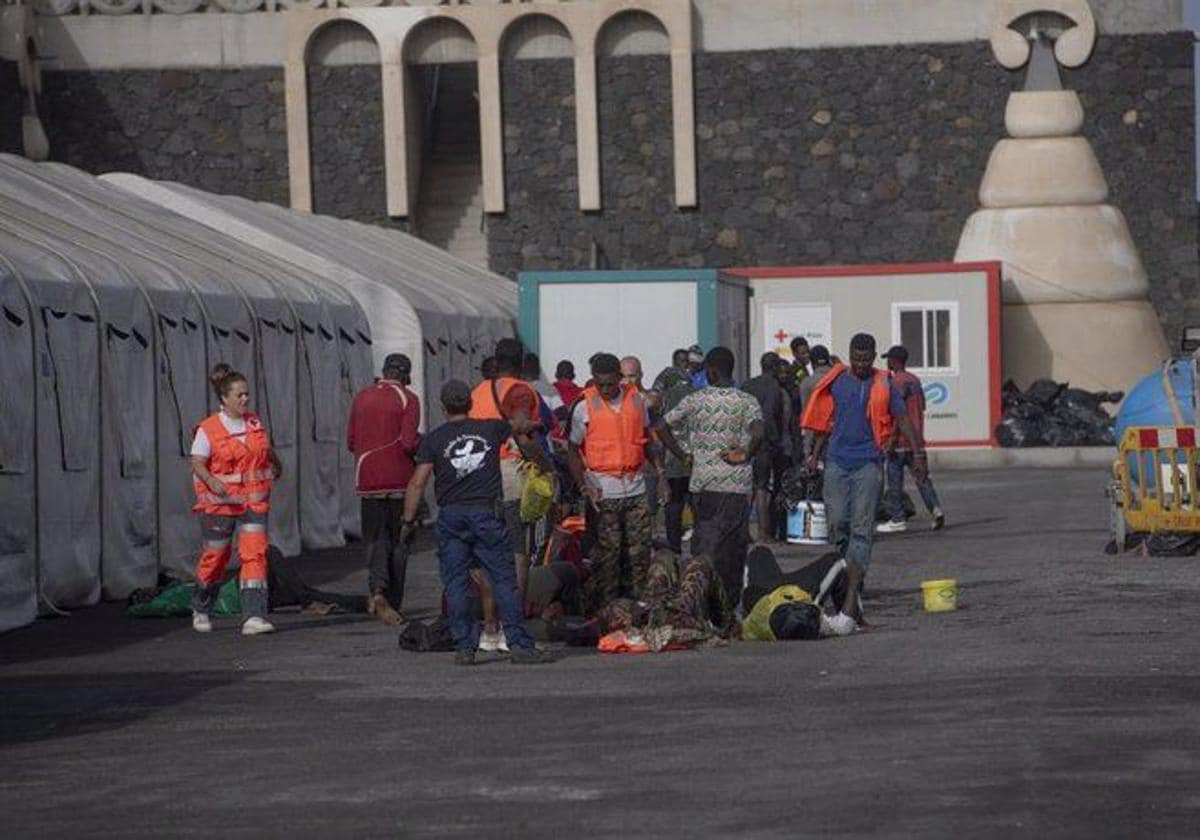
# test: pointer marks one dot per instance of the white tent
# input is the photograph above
(458, 310)
(114, 308)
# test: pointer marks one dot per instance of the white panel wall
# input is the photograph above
(647, 320)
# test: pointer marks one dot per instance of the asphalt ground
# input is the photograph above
(1061, 699)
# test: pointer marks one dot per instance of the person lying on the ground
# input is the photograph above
(553, 589)
(792, 605)
(680, 605)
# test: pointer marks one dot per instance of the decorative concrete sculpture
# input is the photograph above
(1076, 297)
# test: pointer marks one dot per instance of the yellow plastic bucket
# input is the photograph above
(940, 595)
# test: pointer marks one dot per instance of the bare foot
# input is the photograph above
(378, 606)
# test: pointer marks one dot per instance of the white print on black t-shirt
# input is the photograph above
(466, 454)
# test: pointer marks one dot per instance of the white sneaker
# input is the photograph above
(201, 623)
(255, 626)
(895, 526)
(493, 642)
(841, 625)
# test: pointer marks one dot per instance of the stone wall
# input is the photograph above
(861, 155)
(10, 108)
(217, 130)
(851, 155)
(346, 142)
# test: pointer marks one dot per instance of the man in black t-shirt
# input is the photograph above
(463, 456)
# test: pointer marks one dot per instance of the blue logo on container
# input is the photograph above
(936, 393)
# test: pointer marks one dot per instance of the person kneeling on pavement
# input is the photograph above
(463, 456)
(781, 606)
(680, 606)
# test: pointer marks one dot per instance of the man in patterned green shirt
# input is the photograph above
(724, 429)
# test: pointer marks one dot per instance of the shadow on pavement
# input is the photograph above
(89, 630)
(39, 707)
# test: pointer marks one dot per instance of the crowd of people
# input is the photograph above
(550, 495)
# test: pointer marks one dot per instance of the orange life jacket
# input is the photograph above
(615, 441)
(484, 407)
(243, 467)
(818, 414)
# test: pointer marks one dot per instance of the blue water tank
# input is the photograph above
(1147, 404)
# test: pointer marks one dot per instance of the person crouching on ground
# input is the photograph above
(610, 444)
(853, 412)
(233, 466)
(382, 434)
(463, 456)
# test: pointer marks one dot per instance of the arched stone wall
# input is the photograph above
(584, 22)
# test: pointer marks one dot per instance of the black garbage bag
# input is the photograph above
(797, 485)
(1011, 395)
(1054, 414)
(1016, 431)
(1163, 544)
(1044, 392)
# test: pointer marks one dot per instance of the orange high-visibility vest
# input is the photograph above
(818, 414)
(243, 467)
(615, 441)
(484, 407)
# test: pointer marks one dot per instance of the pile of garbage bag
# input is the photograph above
(1050, 413)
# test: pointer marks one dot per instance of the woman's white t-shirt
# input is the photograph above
(236, 426)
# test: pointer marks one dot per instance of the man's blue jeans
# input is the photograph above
(467, 533)
(896, 464)
(851, 497)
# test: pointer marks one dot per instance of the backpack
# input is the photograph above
(419, 637)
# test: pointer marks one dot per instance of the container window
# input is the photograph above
(929, 332)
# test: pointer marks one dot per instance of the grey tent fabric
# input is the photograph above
(113, 309)
(449, 313)
(18, 477)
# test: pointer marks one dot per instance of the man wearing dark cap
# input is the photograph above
(463, 457)
(904, 454)
(382, 434)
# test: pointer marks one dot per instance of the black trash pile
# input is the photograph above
(1054, 414)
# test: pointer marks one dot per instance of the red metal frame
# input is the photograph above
(991, 269)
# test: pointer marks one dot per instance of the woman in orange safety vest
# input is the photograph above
(233, 466)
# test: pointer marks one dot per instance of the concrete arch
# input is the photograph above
(391, 27)
(343, 82)
(527, 15)
(319, 32)
(675, 20)
(304, 30)
(446, 21)
(617, 14)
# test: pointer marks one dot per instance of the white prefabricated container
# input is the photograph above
(947, 315)
(649, 314)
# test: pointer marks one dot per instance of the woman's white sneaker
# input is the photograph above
(255, 626)
(201, 623)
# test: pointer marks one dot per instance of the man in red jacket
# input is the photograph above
(382, 434)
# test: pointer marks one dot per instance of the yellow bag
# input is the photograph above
(537, 492)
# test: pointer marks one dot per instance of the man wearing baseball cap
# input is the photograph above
(904, 452)
(382, 434)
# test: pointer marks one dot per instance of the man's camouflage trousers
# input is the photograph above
(621, 555)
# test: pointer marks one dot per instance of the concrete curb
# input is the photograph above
(1067, 457)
